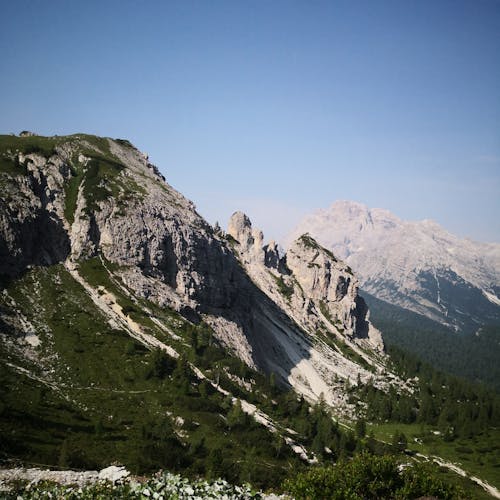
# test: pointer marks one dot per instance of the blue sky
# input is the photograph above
(276, 107)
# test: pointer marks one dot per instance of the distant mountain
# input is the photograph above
(416, 265)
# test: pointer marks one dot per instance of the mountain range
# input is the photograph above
(415, 265)
(111, 279)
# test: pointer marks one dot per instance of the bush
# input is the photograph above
(161, 365)
(420, 480)
(369, 477)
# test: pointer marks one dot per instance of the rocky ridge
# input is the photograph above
(319, 293)
(133, 332)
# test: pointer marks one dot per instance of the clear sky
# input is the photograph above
(276, 107)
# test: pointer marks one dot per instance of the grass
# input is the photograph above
(478, 456)
(284, 288)
(95, 273)
(11, 166)
(117, 410)
(326, 313)
(101, 181)
(112, 407)
(44, 146)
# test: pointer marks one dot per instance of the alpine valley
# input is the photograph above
(134, 332)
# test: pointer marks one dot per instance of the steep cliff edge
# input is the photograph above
(309, 282)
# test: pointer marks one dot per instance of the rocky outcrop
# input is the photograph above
(332, 286)
(32, 227)
(308, 281)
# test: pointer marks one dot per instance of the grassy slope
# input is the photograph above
(479, 456)
(117, 409)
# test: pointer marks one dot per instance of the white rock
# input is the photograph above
(113, 473)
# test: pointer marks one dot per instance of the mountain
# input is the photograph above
(415, 265)
(122, 310)
(132, 331)
(84, 197)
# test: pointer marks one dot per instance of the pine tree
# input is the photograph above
(360, 428)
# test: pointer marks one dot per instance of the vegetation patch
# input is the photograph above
(11, 165)
(309, 242)
(44, 146)
(163, 485)
(122, 400)
(474, 357)
(369, 477)
(285, 289)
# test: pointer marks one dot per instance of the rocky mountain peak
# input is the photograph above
(240, 228)
(331, 284)
(310, 277)
(319, 272)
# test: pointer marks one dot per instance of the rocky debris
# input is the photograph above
(113, 474)
(66, 477)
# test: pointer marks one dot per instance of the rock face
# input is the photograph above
(308, 281)
(31, 215)
(331, 284)
(71, 198)
(416, 265)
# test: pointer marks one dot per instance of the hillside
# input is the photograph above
(474, 357)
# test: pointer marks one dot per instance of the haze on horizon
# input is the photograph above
(276, 108)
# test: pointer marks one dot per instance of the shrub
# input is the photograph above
(369, 477)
